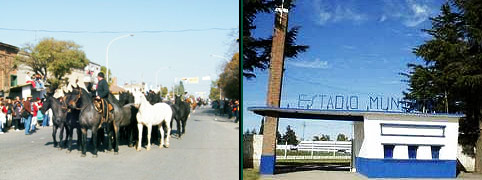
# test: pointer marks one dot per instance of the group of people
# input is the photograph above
(229, 107)
(36, 80)
(18, 114)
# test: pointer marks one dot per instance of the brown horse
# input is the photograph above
(192, 103)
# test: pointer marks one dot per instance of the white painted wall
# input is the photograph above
(26, 91)
(252, 148)
(372, 145)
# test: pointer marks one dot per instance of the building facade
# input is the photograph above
(8, 76)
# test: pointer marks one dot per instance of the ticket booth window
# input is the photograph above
(388, 151)
(435, 152)
(412, 152)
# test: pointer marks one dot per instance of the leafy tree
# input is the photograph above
(451, 78)
(279, 138)
(164, 91)
(103, 70)
(229, 79)
(179, 89)
(323, 137)
(257, 51)
(261, 129)
(290, 136)
(214, 92)
(53, 56)
(341, 137)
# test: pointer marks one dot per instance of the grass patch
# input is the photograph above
(250, 174)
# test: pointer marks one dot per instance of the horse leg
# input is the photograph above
(178, 122)
(61, 136)
(94, 138)
(54, 135)
(116, 139)
(79, 139)
(149, 130)
(70, 131)
(184, 126)
(130, 131)
(139, 142)
(161, 130)
(84, 142)
(168, 132)
(108, 137)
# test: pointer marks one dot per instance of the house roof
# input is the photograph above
(116, 89)
(9, 46)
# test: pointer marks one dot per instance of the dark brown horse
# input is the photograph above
(89, 118)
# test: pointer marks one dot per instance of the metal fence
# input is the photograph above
(315, 150)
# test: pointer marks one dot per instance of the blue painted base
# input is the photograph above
(267, 164)
(406, 168)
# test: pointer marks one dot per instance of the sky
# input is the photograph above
(357, 49)
(137, 58)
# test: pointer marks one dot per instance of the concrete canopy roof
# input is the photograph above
(344, 115)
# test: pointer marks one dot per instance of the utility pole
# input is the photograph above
(268, 156)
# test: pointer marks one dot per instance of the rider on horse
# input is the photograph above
(102, 94)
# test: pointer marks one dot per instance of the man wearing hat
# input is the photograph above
(27, 108)
(102, 91)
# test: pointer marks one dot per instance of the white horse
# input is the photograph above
(150, 115)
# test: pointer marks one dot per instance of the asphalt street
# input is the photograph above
(209, 150)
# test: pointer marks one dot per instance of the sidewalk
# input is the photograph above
(344, 175)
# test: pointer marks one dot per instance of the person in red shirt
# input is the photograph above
(3, 118)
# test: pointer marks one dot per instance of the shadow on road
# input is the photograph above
(288, 167)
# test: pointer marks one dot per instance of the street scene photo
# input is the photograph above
(120, 90)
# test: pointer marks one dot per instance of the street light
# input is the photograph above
(107, 53)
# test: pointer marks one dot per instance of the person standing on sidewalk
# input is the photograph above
(17, 111)
(27, 114)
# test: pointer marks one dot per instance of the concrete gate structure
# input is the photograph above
(385, 145)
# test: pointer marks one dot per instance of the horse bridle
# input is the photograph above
(76, 100)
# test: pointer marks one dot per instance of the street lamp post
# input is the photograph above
(107, 53)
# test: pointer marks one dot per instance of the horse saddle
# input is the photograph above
(101, 105)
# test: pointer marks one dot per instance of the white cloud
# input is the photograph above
(411, 13)
(316, 64)
(326, 13)
(383, 18)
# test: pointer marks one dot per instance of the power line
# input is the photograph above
(119, 32)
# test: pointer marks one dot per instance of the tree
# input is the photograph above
(290, 136)
(279, 138)
(103, 69)
(323, 137)
(257, 51)
(341, 137)
(53, 56)
(164, 91)
(229, 79)
(179, 89)
(262, 126)
(450, 80)
(214, 92)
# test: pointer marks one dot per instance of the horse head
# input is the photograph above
(137, 98)
(73, 98)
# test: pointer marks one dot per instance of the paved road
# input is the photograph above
(209, 150)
